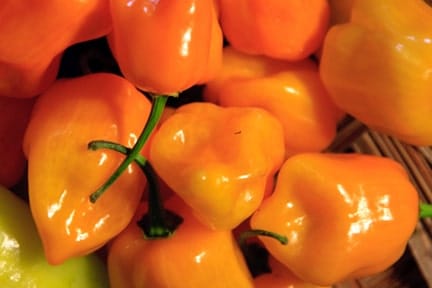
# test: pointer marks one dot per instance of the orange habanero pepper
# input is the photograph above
(35, 33)
(345, 216)
(194, 256)
(290, 30)
(220, 161)
(377, 67)
(14, 117)
(62, 171)
(292, 92)
(166, 46)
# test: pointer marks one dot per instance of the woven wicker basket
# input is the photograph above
(414, 269)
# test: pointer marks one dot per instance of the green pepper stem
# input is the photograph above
(158, 222)
(425, 210)
(158, 106)
(259, 232)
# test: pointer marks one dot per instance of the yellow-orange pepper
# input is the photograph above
(377, 67)
(166, 46)
(194, 256)
(290, 30)
(219, 160)
(345, 216)
(35, 33)
(292, 92)
(63, 172)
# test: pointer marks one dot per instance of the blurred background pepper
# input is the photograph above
(34, 35)
(290, 30)
(377, 67)
(165, 46)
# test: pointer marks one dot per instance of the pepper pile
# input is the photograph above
(233, 188)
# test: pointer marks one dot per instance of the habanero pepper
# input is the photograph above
(292, 92)
(34, 34)
(219, 160)
(166, 46)
(14, 117)
(22, 258)
(194, 256)
(290, 30)
(62, 171)
(377, 67)
(345, 215)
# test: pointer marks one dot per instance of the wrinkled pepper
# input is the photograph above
(194, 256)
(166, 46)
(377, 67)
(290, 30)
(345, 216)
(62, 171)
(292, 92)
(34, 35)
(219, 160)
(14, 117)
(22, 259)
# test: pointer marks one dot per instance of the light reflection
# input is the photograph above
(192, 8)
(291, 90)
(100, 222)
(132, 139)
(200, 256)
(344, 193)
(384, 212)
(80, 235)
(8, 244)
(53, 208)
(244, 176)
(102, 159)
(187, 37)
(364, 215)
(179, 136)
(69, 222)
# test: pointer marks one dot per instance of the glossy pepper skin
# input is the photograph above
(377, 67)
(22, 258)
(166, 46)
(14, 117)
(292, 92)
(290, 30)
(35, 33)
(195, 256)
(220, 161)
(345, 216)
(62, 172)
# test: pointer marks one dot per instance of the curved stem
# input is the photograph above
(158, 106)
(425, 210)
(157, 222)
(259, 232)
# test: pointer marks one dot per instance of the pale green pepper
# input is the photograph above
(22, 260)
